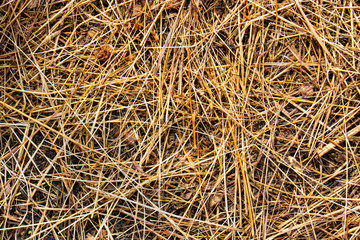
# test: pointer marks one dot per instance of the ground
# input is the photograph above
(179, 119)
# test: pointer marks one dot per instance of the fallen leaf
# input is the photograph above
(306, 90)
(90, 237)
(104, 52)
(6, 190)
(12, 218)
(173, 4)
(91, 33)
(219, 12)
(101, 236)
(33, 4)
(131, 138)
(187, 195)
(295, 164)
(137, 9)
(215, 199)
(139, 168)
(51, 36)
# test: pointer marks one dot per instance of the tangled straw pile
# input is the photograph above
(179, 119)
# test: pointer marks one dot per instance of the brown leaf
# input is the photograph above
(51, 36)
(306, 90)
(12, 218)
(91, 33)
(139, 168)
(101, 236)
(33, 4)
(137, 10)
(186, 195)
(219, 12)
(131, 138)
(6, 190)
(294, 163)
(90, 237)
(215, 199)
(78, 71)
(173, 4)
(130, 58)
(104, 52)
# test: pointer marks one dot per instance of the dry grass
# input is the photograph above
(179, 119)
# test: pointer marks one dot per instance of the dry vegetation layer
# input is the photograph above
(179, 119)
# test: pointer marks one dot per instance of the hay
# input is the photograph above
(179, 119)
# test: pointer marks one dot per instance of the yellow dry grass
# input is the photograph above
(179, 119)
